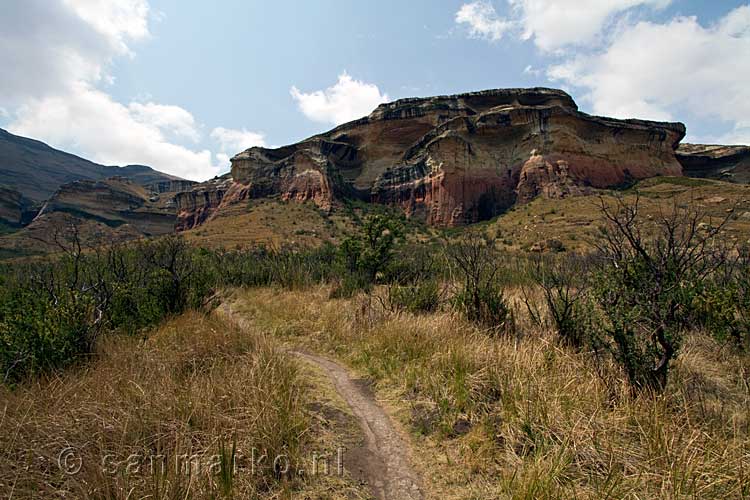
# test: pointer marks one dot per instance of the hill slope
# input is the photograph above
(37, 170)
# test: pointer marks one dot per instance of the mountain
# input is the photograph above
(36, 170)
(451, 160)
(43, 190)
(104, 211)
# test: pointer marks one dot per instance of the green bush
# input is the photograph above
(417, 298)
(370, 252)
(651, 274)
(486, 305)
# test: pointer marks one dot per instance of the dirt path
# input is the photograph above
(384, 460)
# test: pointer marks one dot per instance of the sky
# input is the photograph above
(184, 85)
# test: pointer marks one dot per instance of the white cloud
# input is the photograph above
(662, 71)
(169, 119)
(110, 133)
(60, 52)
(530, 70)
(552, 24)
(347, 100)
(482, 20)
(119, 21)
(234, 141)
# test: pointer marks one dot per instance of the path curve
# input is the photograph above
(384, 459)
(388, 470)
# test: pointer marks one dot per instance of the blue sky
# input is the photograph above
(182, 86)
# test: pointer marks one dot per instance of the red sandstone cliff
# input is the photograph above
(452, 160)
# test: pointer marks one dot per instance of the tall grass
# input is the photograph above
(527, 417)
(158, 418)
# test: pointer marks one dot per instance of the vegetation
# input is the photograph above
(189, 412)
(622, 372)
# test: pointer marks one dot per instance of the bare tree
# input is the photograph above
(652, 268)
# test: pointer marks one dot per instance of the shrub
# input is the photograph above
(370, 252)
(416, 298)
(564, 287)
(481, 299)
(651, 272)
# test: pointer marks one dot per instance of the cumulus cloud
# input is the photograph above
(233, 141)
(482, 20)
(652, 70)
(117, 20)
(89, 120)
(551, 24)
(346, 100)
(60, 52)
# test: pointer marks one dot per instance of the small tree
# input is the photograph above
(651, 269)
(371, 251)
(564, 286)
(481, 298)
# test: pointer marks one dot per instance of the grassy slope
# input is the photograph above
(573, 221)
(525, 418)
(274, 223)
(177, 395)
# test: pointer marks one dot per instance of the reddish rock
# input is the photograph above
(205, 200)
(452, 160)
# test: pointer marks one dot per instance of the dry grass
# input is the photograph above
(157, 418)
(574, 221)
(526, 418)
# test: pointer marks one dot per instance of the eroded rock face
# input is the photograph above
(113, 202)
(453, 160)
(204, 200)
(728, 163)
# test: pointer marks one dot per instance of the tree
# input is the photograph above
(651, 269)
(371, 251)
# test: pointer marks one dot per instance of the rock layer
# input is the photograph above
(728, 163)
(453, 160)
(201, 203)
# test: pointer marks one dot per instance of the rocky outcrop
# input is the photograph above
(540, 177)
(453, 160)
(15, 209)
(112, 202)
(204, 200)
(727, 163)
(170, 186)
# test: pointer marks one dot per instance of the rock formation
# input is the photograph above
(727, 163)
(112, 202)
(15, 209)
(198, 205)
(450, 160)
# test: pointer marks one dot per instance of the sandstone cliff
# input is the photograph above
(728, 163)
(452, 160)
(200, 203)
(113, 203)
